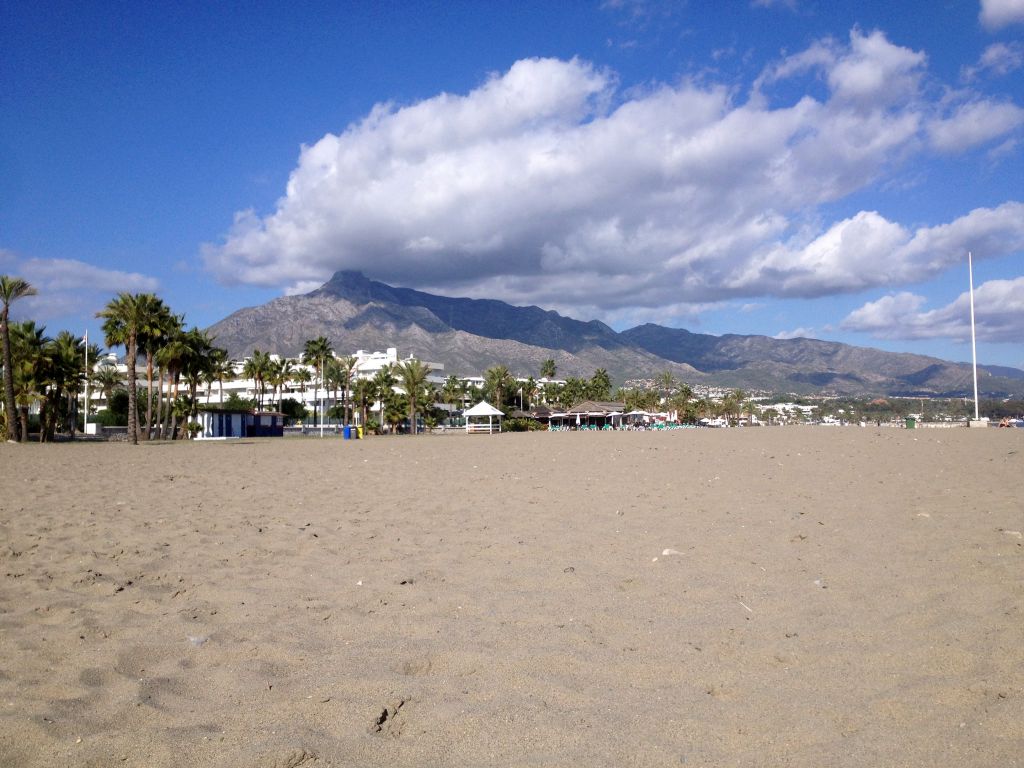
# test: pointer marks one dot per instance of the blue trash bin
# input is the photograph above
(347, 432)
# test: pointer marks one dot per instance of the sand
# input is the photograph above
(792, 596)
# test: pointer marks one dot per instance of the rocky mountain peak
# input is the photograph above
(349, 284)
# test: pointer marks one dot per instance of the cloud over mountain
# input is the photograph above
(548, 184)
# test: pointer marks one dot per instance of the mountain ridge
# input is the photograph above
(470, 335)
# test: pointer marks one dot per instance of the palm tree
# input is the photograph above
(223, 370)
(171, 360)
(600, 385)
(197, 364)
(107, 378)
(497, 381)
(682, 402)
(363, 394)
(346, 367)
(11, 289)
(124, 317)
(334, 379)
(257, 368)
(666, 384)
(384, 390)
(704, 407)
(315, 353)
(750, 408)
(282, 374)
(737, 399)
(552, 393)
(395, 409)
(574, 391)
(30, 347)
(548, 369)
(413, 377)
(64, 382)
(166, 359)
(727, 407)
(453, 392)
(529, 392)
(153, 332)
(302, 377)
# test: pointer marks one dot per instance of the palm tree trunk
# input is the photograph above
(316, 399)
(160, 401)
(167, 408)
(193, 413)
(43, 413)
(133, 414)
(72, 413)
(174, 411)
(10, 411)
(149, 394)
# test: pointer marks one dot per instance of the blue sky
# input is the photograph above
(782, 168)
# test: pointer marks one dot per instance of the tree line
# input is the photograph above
(178, 360)
(52, 373)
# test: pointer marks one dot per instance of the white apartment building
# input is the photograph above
(368, 365)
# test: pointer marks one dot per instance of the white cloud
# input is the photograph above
(547, 185)
(870, 71)
(867, 250)
(973, 124)
(66, 287)
(875, 71)
(998, 59)
(996, 14)
(998, 306)
(796, 333)
(303, 287)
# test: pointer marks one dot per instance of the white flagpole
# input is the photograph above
(974, 347)
(85, 417)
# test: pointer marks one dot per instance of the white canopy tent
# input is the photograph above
(478, 411)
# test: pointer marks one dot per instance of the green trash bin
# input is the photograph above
(911, 422)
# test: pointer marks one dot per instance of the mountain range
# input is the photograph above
(470, 335)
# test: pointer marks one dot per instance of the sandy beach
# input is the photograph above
(749, 597)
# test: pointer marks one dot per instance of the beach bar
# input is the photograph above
(589, 414)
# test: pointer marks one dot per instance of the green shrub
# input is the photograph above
(522, 425)
(293, 409)
(118, 405)
(109, 418)
(236, 403)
